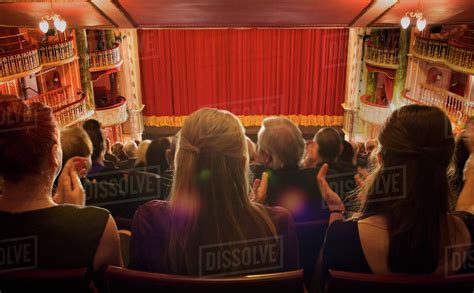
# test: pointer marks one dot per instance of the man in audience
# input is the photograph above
(117, 150)
(109, 156)
(130, 150)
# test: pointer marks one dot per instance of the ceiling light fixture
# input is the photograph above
(420, 20)
(52, 20)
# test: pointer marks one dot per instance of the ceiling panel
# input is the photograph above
(156, 13)
(435, 11)
(76, 13)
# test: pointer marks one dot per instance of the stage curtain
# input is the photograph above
(253, 73)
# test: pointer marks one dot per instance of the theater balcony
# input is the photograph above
(453, 53)
(381, 56)
(73, 112)
(57, 53)
(56, 99)
(19, 58)
(372, 112)
(105, 59)
(113, 114)
(458, 108)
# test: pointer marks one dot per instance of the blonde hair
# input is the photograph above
(141, 151)
(210, 188)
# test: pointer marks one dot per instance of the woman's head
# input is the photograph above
(96, 135)
(410, 188)
(210, 186)
(156, 155)
(141, 151)
(76, 142)
(29, 141)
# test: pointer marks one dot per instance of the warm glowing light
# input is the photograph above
(405, 22)
(421, 24)
(60, 24)
(44, 26)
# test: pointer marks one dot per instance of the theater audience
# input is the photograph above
(209, 205)
(130, 149)
(404, 223)
(117, 150)
(109, 156)
(57, 235)
(348, 154)
(158, 156)
(140, 163)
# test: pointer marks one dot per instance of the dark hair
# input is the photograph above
(75, 142)
(27, 134)
(93, 129)
(347, 154)
(329, 144)
(156, 155)
(416, 143)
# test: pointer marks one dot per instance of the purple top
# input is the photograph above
(150, 235)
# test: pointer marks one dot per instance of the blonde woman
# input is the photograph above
(210, 226)
(141, 153)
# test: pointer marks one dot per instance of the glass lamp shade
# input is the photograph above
(405, 22)
(44, 26)
(421, 24)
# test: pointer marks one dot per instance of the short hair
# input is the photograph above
(156, 155)
(329, 144)
(142, 150)
(93, 129)
(130, 149)
(282, 140)
(75, 142)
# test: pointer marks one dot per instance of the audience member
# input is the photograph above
(141, 154)
(156, 156)
(348, 154)
(404, 223)
(31, 157)
(461, 154)
(210, 205)
(109, 156)
(130, 149)
(117, 150)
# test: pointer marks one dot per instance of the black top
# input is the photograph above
(63, 236)
(297, 190)
(342, 250)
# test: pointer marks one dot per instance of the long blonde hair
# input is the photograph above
(209, 198)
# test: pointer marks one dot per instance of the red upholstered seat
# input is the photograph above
(124, 280)
(367, 283)
(57, 280)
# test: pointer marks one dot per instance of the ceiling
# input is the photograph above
(233, 13)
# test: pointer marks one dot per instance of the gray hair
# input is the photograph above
(282, 140)
(130, 149)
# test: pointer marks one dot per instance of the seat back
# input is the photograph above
(310, 240)
(367, 283)
(57, 280)
(124, 280)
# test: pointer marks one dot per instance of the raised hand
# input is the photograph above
(331, 198)
(260, 187)
(70, 189)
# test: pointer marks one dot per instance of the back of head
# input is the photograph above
(416, 147)
(348, 152)
(75, 142)
(130, 149)
(156, 155)
(93, 129)
(210, 186)
(329, 144)
(117, 150)
(27, 134)
(282, 140)
(142, 150)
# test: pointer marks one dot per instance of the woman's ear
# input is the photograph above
(169, 157)
(56, 158)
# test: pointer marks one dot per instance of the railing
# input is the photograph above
(373, 113)
(456, 56)
(55, 52)
(381, 56)
(19, 62)
(55, 99)
(114, 114)
(105, 58)
(455, 106)
(70, 113)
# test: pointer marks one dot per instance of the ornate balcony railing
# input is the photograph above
(105, 59)
(458, 57)
(55, 99)
(382, 57)
(72, 112)
(373, 113)
(59, 52)
(19, 63)
(456, 107)
(114, 114)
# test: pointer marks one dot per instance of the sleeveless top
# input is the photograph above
(63, 236)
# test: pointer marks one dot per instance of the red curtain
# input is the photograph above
(247, 71)
(389, 79)
(389, 88)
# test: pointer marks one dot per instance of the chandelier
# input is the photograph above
(52, 19)
(420, 20)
